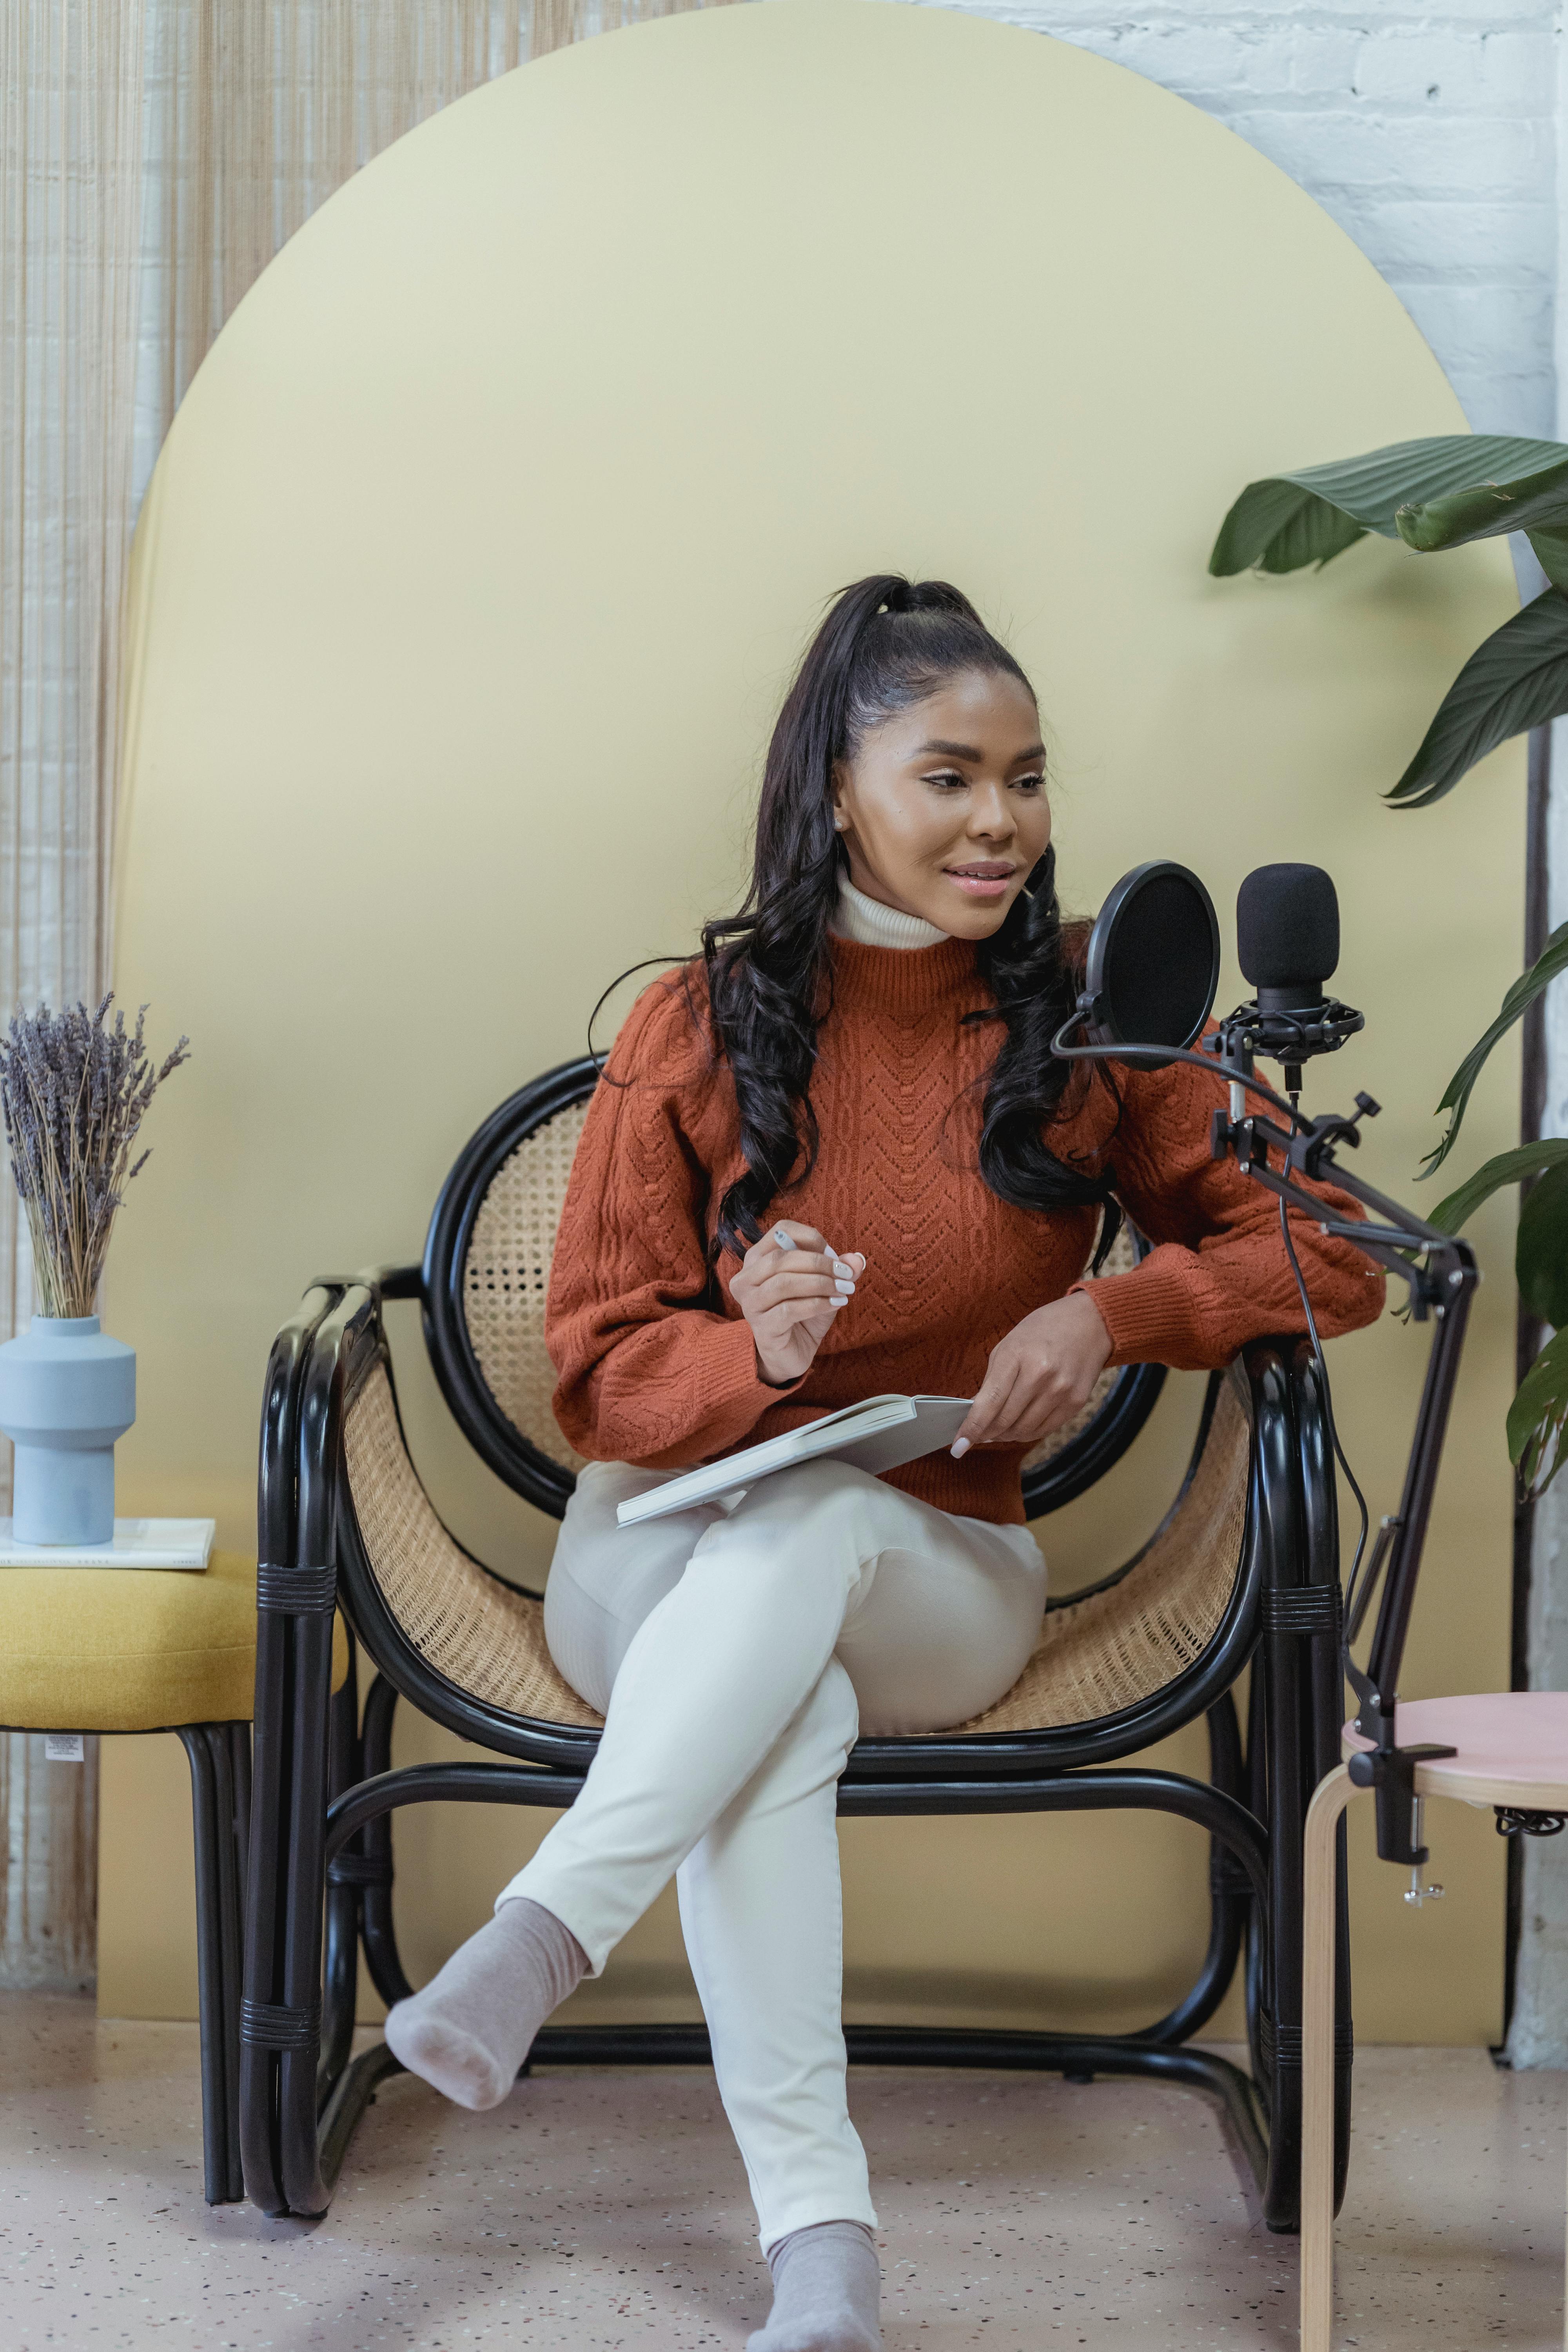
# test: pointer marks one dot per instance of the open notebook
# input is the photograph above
(876, 1435)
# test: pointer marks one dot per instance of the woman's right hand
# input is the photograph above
(790, 1296)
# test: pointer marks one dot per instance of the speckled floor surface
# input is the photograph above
(605, 2210)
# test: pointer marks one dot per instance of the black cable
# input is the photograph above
(1160, 1057)
(1340, 1456)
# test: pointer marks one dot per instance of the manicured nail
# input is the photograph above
(783, 1239)
(844, 1289)
(843, 1269)
(960, 1448)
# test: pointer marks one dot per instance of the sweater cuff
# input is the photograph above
(735, 1391)
(1147, 1312)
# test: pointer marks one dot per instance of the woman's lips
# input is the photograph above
(978, 884)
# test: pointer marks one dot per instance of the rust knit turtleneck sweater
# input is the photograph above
(950, 1269)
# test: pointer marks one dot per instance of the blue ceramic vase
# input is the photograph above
(66, 1391)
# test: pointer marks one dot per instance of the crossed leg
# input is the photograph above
(736, 1653)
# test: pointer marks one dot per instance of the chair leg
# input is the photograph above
(208, 1828)
(227, 1779)
(1318, 1974)
(1289, 1784)
(269, 2025)
(298, 2025)
(340, 1980)
(266, 1771)
(1230, 1892)
(382, 1957)
(1255, 1952)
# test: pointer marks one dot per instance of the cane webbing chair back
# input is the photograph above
(1100, 1653)
(506, 1276)
(487, 1277)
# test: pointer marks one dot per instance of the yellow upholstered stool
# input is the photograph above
(147, 1649)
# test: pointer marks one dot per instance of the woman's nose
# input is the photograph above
(991, 816)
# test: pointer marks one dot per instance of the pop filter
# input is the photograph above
(1154, 962)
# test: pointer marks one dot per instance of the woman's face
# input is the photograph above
(942, 809)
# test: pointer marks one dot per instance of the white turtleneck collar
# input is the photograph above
(872, 925)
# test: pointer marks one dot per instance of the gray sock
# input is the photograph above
(827, 2285)
(472, 2026)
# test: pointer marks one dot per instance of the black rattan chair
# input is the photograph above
(1243, 1570)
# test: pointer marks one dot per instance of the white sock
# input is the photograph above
(470, 2029)
(827, 2285)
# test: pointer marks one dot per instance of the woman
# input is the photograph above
(836, 1157)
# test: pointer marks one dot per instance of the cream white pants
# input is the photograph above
(735, 1655)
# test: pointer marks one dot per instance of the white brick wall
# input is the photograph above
(1427, 133)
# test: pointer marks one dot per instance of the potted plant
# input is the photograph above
(74, 1089)
(1434, 495)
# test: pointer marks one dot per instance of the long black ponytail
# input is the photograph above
(887, 642)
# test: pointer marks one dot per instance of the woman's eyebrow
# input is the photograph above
(971, 751)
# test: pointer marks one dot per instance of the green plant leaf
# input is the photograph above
(1540, 1249)
(1516, 679)
(1551, 555)
(1484, 509)
(1278, 526)
(1287, 521)
(1453, 1212)
(1537, 1416)
(1552, 959)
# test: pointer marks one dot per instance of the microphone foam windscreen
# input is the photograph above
(1287, 924)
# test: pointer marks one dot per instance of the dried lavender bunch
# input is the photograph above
(73, 1094)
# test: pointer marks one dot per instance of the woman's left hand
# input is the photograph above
(1038, 1376)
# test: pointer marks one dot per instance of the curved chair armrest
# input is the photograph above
(461, 1643)
(393, 1281)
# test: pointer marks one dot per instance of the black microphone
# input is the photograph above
(1287, 934)
(1287, 943)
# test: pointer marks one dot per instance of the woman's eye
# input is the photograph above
(1029, 783)
(948, 780)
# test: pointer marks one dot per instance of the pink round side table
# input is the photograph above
(1512, 1750)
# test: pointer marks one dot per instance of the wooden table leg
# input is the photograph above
(1332, 1795)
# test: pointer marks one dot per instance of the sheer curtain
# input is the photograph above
(156, 154)
(69, 226)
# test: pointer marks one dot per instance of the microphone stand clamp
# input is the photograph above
(1288, 1034)
(1390, 1774)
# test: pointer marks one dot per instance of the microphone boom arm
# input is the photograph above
(1441, 1272)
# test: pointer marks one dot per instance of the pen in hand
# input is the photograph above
(790, 1287)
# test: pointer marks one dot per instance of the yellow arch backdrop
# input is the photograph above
(464, 596)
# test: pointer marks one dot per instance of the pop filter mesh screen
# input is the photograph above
(1159, 967)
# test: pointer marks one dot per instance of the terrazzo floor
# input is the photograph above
(598, 2209)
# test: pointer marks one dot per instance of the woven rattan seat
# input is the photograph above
(1115, 1646)
(474, 1630)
